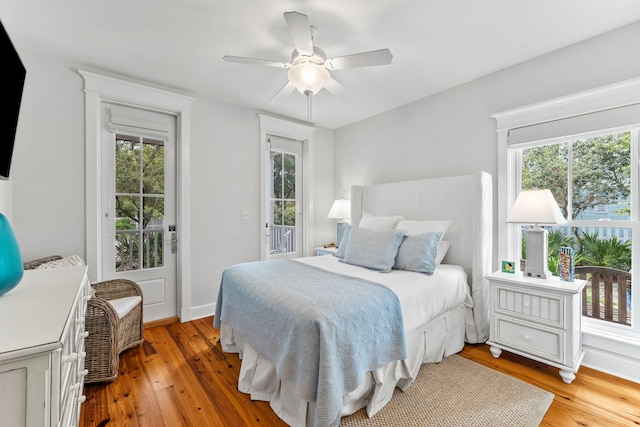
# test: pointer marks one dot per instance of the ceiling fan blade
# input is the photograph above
(284, 92)
(337, 90)
(300, 32)
(364, 59)
(254, 61)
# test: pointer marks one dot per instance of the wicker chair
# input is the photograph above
(109, 333)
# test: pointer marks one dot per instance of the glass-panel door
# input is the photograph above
(284, 228)
(140, 233)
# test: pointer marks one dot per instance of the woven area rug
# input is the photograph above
(459, 392)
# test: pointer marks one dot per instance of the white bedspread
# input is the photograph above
(422, 297)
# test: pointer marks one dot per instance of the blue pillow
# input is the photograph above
(418, 253)
(342, 246)
(374, 249)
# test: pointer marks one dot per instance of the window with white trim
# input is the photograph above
(584, 148)
(590, 178)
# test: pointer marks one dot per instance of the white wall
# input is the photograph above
(452, 133)
(47, 194)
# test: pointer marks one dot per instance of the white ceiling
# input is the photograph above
(436, 44)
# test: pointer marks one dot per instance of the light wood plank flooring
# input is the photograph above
(181, 377)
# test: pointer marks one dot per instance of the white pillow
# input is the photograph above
(414, 227)
(443, 248)
(379, 222)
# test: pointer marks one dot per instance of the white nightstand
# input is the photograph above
(537, 318)
(320, 250)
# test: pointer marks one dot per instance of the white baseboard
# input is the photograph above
(612, 355)
(193, 313)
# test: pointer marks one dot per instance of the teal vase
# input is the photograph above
(11, 268)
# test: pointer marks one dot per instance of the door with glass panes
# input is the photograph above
(139, 213)
(284, 198)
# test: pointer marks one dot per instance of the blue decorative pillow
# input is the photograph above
(374, 249)
(418, 253)
(342, 246)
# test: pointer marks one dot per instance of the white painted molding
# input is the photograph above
(602, 98)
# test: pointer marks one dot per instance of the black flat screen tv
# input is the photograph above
(13, 82)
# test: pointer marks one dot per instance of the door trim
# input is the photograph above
(287, 129)
(99, 88)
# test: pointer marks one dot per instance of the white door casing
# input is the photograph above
(272, 126)
(98, 90)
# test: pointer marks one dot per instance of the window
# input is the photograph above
(590, 179)
(584, 148)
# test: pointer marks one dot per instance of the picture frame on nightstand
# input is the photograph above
(508, 267)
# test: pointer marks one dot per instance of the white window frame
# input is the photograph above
(297, 131)
(609, 348)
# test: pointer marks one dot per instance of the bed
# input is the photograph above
(322, 337)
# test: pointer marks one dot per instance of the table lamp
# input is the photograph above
(536, 207)
(340, 210)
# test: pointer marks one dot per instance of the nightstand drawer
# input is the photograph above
(539, 307)
(543, 342)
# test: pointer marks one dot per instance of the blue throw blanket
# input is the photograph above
(323, 331)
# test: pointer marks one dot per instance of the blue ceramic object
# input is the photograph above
(11, 268)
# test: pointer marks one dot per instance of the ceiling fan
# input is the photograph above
(309, 67)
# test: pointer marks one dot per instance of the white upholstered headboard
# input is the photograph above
(467, 200)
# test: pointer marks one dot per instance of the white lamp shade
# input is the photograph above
(535, 207)
(341, 209)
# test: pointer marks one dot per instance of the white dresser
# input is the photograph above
(537, 318)
(42, 348)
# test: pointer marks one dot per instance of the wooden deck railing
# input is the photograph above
(610, 293)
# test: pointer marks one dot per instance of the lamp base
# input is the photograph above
(537, 258)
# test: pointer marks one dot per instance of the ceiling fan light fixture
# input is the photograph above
(307, 76)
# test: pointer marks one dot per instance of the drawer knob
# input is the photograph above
(85, 334)
(84, 373)
(526, 337)
(82, 399)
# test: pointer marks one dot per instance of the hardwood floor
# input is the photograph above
(181, 377)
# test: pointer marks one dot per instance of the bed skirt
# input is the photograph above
(430, 343)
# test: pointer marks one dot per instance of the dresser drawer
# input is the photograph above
(533, 339)
(537, 307)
